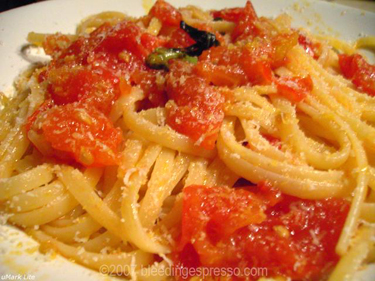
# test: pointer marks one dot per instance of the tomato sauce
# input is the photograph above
(257, 226)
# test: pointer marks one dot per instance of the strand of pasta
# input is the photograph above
(35, 198)
(91, 202)
(368, 212)
(68, 219)
(259, 143)
(166, 174)
(327, 88)
(85, 226)
(52, 211)
(26, 181)
(163, 135)
(120, 263)
(312, 151)
(100, 242)
(314, 183)
(364, 132)
(352, 260)
(248, 102)
(195, 16)
(362, 179)
(133, 180)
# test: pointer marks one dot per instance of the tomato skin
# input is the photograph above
(348, 66)
(312, 49)
(294, 89)
(258, 72)
(83, 133)
(166, 13)
(259, 227)
(196, 110)
(179, 39)
(246, 26)
(361, 73)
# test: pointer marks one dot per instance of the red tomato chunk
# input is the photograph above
(294, 89)
(196, 110)
(359, 71)
(84, 134)
(259, 227)
(313, 49)
(166, 13)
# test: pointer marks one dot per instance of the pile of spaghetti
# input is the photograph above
(195, 139)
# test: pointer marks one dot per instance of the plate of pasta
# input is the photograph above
(187, 140)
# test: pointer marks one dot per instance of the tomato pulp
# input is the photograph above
(259, 227)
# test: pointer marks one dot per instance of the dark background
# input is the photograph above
(10, 4)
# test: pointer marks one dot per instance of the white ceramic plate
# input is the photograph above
(18, 253)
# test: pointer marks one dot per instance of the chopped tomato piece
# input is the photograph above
(128, 36)
(313, 49)
(222, 55)
(97, 87)
(294, 89)
(246, 26)
(80, 49)
(221, 75)
(258, 72)
(240, 65)
(348, 65)
(166, 13)
(82, 133)
(357, 69)
(259, 227)
(237, 209)
(256, 62)
(232, 14)
(196, 110)
(152, 83)
(179, 39)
